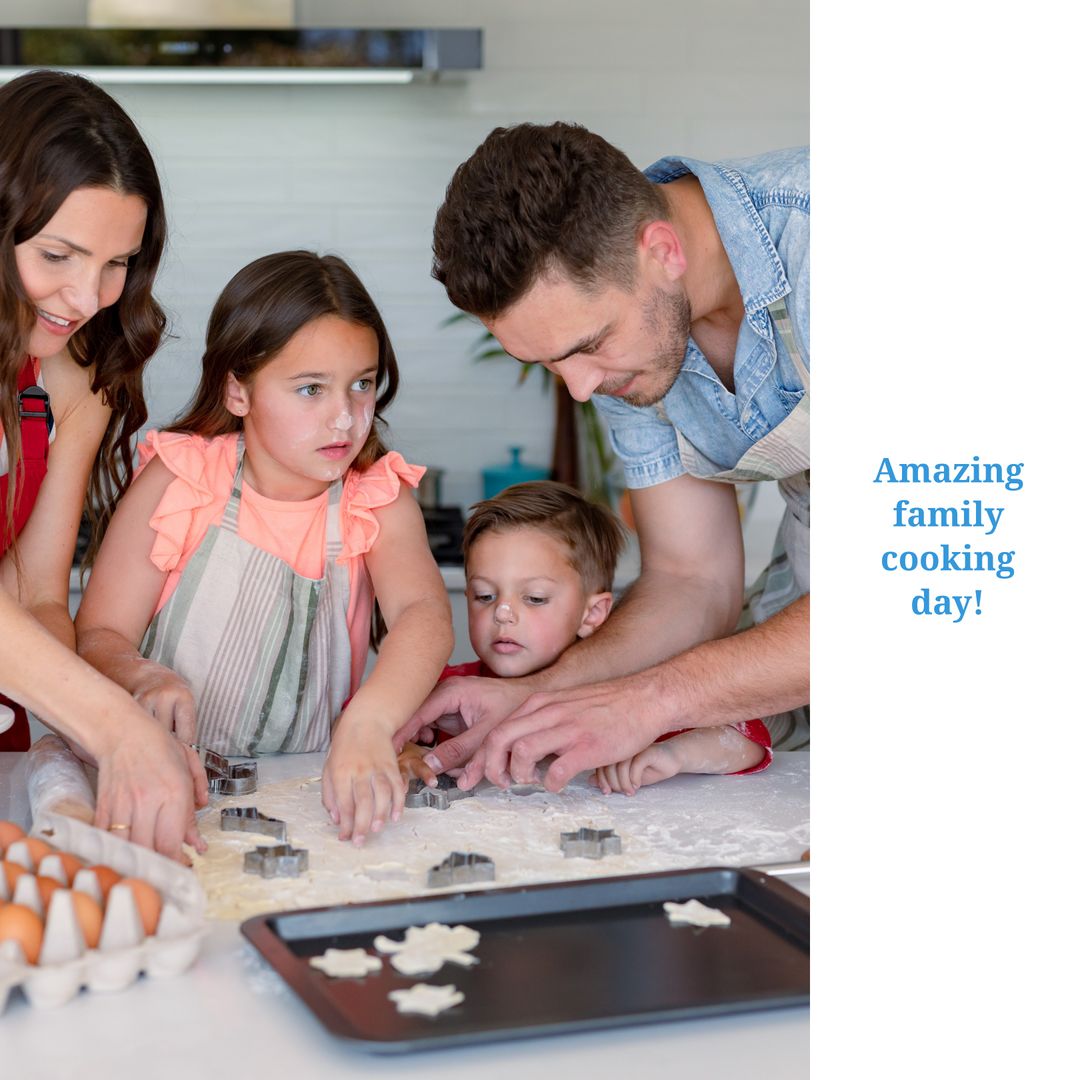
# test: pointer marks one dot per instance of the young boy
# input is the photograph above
(539, 569)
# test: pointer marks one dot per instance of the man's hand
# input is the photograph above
(151, 783)
(470, 705)
(585, 727)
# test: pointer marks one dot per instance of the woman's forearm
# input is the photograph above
(65, 692)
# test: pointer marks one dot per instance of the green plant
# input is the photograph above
(596, 457)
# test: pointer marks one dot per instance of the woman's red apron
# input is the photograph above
(34, 428)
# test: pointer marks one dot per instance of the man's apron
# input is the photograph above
(35, 418)
(782, 455)
(265, 651)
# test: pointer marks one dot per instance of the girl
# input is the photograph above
(81, 232)
(233, 593)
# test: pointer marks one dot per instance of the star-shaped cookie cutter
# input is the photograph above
(225, 777)
(279, 860)
(439, 798)
(590, 843)
(248, 819)
(461, 868)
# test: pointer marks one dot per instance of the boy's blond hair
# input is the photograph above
(593, 535)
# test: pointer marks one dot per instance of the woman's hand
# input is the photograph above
(362, 786)
(149, 784)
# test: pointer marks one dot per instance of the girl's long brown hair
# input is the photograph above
(60, 132)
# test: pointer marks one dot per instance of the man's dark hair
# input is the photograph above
(536, 199)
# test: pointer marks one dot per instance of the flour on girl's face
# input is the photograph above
(310, 409)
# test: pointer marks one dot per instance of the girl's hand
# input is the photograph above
(412, 765)
(362, 785)
(165, 695)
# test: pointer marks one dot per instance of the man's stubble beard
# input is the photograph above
(666, 314)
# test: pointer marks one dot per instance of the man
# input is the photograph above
(679, 300)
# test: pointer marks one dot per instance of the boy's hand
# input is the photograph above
(168, 698)
(650, 766)
(362, 786)
(413, 766)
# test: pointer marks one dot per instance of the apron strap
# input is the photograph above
(778, 311)
(231, 518)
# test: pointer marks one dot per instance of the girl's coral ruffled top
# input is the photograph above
(195, 499)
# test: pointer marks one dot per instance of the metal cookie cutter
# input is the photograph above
(225, 778)
(281, 860)
(590, 843)
(248, 819)
(440, 798)
(461, 868)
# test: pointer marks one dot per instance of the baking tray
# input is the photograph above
(557, 958)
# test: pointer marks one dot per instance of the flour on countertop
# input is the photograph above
(667, 826)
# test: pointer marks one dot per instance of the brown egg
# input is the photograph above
(46, 887)
(19, 923)
(9, 833)
(147, 901)
(72, 864)
(90, 917)
(38, 849)
(107, 878)
(13, 871)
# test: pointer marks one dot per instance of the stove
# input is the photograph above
(444, 525)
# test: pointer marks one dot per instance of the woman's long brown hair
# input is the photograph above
(58, 133)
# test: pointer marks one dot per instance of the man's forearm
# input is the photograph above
(761, 672)
(660, 616)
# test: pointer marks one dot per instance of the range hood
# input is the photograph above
(189, 44)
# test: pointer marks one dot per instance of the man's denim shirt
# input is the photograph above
(761, 206)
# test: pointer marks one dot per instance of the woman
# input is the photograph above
(82, 230)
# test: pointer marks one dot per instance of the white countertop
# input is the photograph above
(232, 1014)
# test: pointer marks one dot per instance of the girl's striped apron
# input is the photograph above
(265, 651)
(782, 455)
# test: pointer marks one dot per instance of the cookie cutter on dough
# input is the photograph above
(249, 819)
(278, 860)
(225, 777)
(438, 798)
(590, 843)
(461, 868)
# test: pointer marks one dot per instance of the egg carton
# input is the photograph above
(124, 951)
